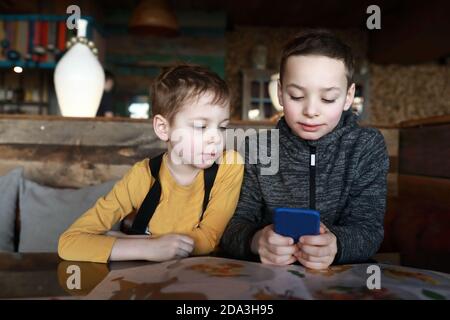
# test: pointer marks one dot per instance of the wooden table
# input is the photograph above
(44, 275)
(34, 275)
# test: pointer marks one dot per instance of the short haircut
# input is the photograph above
(322, 43)
(182, 83)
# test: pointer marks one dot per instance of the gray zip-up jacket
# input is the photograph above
(346, 183)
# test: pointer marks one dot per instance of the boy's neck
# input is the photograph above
(184, 174)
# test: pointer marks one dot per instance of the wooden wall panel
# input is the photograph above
(74, 152)
(429, 190)
(391, 139)
(425, 151)
(53, 130)
(418, 220)
(421, 220)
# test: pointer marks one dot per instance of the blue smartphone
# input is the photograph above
(296, 222)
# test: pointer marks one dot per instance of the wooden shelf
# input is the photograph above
(27, 104)
(26, 65)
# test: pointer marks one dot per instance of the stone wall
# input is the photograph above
(400, 93)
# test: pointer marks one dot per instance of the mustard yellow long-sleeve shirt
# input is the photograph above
(178, 211)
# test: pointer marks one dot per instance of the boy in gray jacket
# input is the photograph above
(326, 162)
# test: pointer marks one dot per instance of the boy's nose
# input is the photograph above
(213, 136)
(310, 110)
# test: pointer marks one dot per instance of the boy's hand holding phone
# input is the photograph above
(317, 251)
(273, 248)
(297, 234)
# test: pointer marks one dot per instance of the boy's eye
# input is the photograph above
(222, 128)
(296, 98)
(199, 126)
(328, 101)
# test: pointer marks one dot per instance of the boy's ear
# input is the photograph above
(350, 96)
(161, 127)
(280, 94)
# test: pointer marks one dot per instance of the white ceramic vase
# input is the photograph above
(273, 92)
(79, 79)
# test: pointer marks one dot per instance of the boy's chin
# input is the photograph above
(203, 164)
(309, 135)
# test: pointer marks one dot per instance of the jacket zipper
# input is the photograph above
(312, 177)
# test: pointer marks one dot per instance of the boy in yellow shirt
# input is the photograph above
(191, 108)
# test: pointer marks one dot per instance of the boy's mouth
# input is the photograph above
(309, 127)
(209, 156)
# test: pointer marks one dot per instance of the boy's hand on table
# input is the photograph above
(168, 247)
(273, 248)
(146, 247)
(317, 252)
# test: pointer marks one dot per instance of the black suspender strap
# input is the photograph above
(209, 175)
(151, 201)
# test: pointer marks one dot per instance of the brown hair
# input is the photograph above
(319, 42)
(179, 84)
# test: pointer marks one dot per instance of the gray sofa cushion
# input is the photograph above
(45, 213)
(9, 190)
